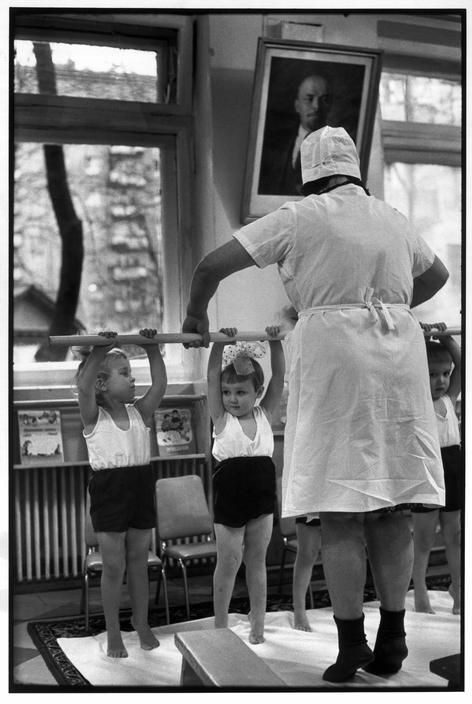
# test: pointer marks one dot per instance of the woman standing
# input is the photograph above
(360, 439)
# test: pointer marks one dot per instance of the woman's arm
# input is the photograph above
(429, 282)
(216, 266)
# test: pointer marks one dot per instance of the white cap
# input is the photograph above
(328, 152)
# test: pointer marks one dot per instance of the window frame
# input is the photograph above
(67, 120)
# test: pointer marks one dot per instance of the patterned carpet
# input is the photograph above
(45, 634)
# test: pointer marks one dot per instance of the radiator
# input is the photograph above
(49, 516)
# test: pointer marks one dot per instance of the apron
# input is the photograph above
(361, 432)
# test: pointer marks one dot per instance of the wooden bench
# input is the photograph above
(450, 669)
(219, 658)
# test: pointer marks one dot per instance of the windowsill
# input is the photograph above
(56, 380)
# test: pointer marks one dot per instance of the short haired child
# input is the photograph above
(244, 484)
(122, 485)
(444, 361)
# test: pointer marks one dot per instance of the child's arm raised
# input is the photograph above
(215, 404)
(277, 361)
(455, 381)
(86, 381)
(151, 400)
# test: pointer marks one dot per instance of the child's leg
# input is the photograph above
(451, 530)
(229, 552)
(424, 530)
(309, 542)
(112, 547)
(137, 548)
(256, 542)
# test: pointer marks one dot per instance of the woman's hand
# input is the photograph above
(200, 326)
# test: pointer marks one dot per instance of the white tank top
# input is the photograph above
(233, 441)
(448, 424)
(109, 446)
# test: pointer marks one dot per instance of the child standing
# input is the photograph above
(444, 361)
(307, 528)
(122, 486)
(244, 478)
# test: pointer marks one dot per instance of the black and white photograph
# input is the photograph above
(235, 355)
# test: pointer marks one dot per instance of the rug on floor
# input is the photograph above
(45, 634)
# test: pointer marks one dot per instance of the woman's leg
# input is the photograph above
(112, 547)
(309, 543)
(344, 566)
(390, 550)
(256, 541)
(137, 548)
(229, 553)
(451, 530)
(424, 530)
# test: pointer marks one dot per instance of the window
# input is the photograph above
(421, 130)
(102, 119)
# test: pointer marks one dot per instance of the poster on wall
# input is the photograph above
(174, 432)
(298, 88)
(40, 437)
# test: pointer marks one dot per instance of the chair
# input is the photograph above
(182, 513)
(93, 566)
(290, 544)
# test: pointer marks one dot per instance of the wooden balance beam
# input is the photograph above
(183, 338)
(219, 658)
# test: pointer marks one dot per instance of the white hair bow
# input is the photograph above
(241, 354)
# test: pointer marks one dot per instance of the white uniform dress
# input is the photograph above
(361, 431)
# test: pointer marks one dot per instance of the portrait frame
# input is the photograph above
(353, 74)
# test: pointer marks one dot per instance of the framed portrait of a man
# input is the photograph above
(299, 88)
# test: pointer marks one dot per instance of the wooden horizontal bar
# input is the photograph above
(185, 338)
(446, 332)
(161, 337)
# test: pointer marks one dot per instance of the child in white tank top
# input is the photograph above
(244, 487)
(444, 361)
(122, 486)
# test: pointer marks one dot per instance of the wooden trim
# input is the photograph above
(415, 142)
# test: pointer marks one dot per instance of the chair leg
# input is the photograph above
(166, 596)
(310, 594)
(86, 601)
(282, 567)
(184, 575)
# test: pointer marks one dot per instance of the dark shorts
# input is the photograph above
(123, 498)
(313, 522)
(243, 489)
(454, 475)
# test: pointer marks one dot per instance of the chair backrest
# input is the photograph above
(182, 508)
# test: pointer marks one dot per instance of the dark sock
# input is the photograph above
(353, 650)
(390, 645)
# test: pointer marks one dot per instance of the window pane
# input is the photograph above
(84, 70)
(115, 192)
(430, 197)
(420, 99)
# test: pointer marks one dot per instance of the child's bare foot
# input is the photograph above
(147, 639)
(422, 603)
(456, 600)
(256, 634)
(300, 621)
(115, 647)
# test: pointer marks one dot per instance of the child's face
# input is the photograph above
(239, 398)
(120, 382)
(439, 377)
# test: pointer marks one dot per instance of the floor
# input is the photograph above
(29, 667)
